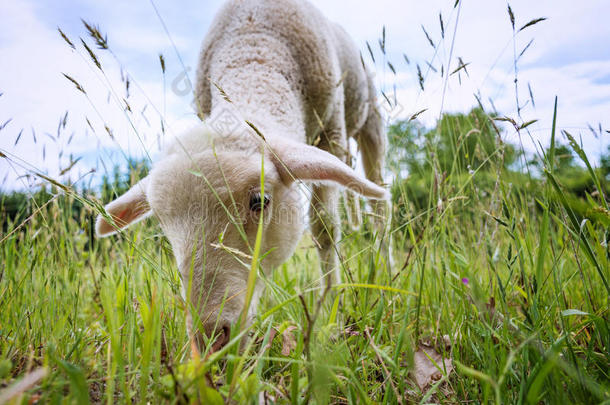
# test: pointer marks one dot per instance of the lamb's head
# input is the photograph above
(209, 204)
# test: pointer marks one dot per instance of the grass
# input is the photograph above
(514, 285)
(511, 289)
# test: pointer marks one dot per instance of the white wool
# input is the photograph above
(274, 77)
(283, 62)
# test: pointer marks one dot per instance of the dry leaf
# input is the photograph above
(424, 370)
(289, 343)
(272, 334)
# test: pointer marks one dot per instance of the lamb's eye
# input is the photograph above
(258, 202)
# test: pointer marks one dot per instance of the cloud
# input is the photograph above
(583, 101)
(37, 95)
(564, 60)
(484, 40)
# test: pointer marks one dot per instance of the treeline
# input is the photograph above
(465, 161)
(17, 206)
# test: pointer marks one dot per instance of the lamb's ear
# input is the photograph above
(297, 161)
(128, 209)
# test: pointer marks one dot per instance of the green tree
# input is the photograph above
(458, 143)
(464, 157)
(123, 179)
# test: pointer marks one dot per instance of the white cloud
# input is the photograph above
(36, 96)
(582, 100)
(564, 60)
(569, 58)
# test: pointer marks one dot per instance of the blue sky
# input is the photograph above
(569, 57)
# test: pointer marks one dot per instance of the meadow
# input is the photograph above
(498, 291)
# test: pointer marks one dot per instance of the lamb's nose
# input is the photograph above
(222, 337)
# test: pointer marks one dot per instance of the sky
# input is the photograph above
(568, 58)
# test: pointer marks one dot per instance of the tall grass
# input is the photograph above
(516, 285)
(513, 290)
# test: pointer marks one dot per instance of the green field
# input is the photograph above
(498, 291)
(502, 273)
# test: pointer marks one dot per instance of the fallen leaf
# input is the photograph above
(425, 371)
(289, 343)
(272, 334)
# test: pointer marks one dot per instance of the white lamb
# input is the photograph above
(297, 80)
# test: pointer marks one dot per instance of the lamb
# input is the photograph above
(275, 78)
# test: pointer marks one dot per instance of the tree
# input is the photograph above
(459, 143)
(406, 147)
(463, 158)
(122, 180)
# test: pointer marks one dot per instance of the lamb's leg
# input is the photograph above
(352, 202)
(372, 144)
(323, 212)
(324, 221)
